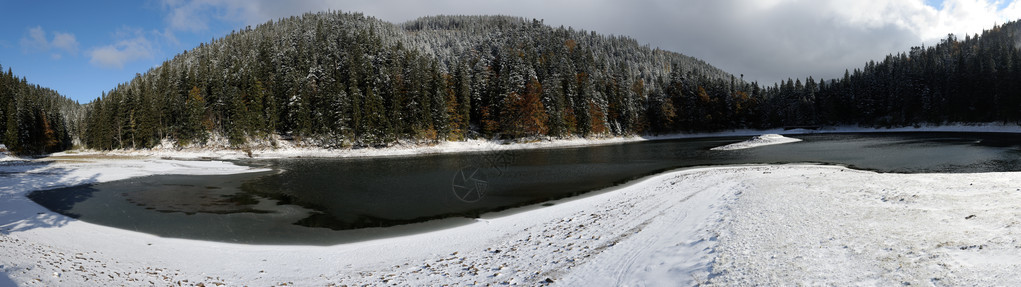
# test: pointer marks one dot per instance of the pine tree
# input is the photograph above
(11, 139)
(196, 124)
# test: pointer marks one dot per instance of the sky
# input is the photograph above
(84, 48)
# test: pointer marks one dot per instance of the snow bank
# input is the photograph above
(830, 225)
(763, 140)
(289, 149)
(5, 155)
(745, 225)
(951, 127)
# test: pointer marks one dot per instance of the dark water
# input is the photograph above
(327, 201)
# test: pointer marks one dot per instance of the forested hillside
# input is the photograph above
(33, 119)
(976, 80)
(336, 79)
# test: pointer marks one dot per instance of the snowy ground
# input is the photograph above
(288, 149)
(5, 156)
(826, 225)
(757, 141)
(740, 225)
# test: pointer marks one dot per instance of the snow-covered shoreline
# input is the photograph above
(757, 141)
(728, 225)
(288, 150)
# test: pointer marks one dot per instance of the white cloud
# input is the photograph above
(35, 41)
(65, 41)
(195, 15)
(188, 17)
(167, 36)
(969, 17)
(133, 46)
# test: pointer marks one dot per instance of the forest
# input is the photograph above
(343, 80)
(974, 80)
(33, 119)
(340, 80)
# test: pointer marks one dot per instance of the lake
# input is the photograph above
(329, 201)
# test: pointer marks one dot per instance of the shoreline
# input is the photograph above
(689, 226)
(287, 150)
(708, 221)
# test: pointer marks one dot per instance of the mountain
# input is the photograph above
(974, 80)
(336, 79)
(34, 120)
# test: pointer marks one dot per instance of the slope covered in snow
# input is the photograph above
(763, 140)
(831, 225)
(5, 156)
(721, 225)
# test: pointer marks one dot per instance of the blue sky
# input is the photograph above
(83, 48)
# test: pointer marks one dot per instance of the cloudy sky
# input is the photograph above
(82, 48)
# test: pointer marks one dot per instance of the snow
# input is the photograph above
(733, 225)
(951, 127)
(763, 140)
(824, 225)
(219, 148)
(5, 156)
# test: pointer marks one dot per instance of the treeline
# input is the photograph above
(335, 80)
(34, 120)
(977, 80)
